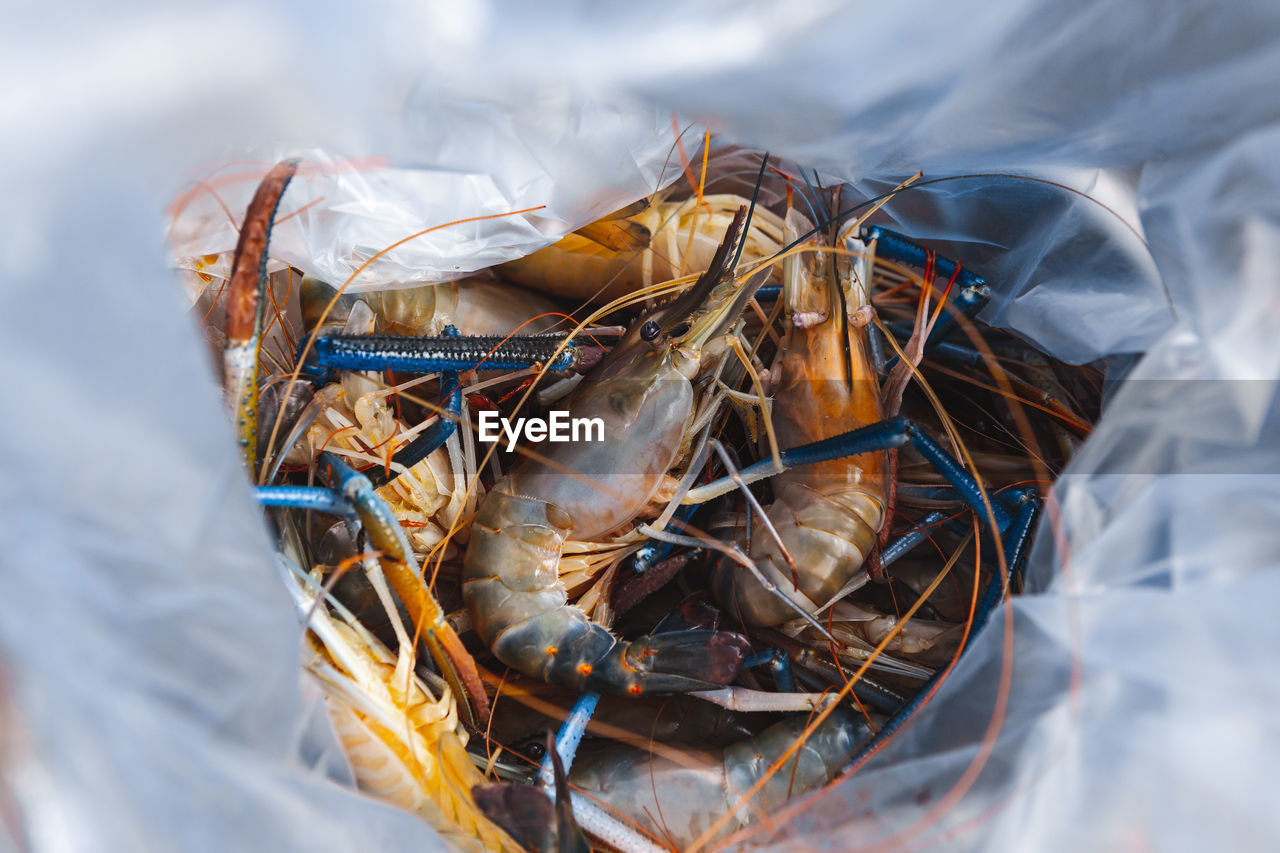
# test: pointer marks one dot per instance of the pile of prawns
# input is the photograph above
(804, 503)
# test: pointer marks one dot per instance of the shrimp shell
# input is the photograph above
(680, 800)
(827, 514)
(404, 745)
(665, 241)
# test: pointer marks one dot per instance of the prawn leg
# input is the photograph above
(401, 570)
(885, 435)
(539, 821)
(778, 665)
(903, 545)
(654, 551)
(894, 433)
(958, 353)
(431, 439)
(307, 498)
(1017, 538)
(569, 737)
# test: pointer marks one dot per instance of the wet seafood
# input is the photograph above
(635, 249)
(511, 579)
(529, 550)
(826, 516)
(678, 801)
(404, 740)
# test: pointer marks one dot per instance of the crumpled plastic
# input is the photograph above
(149, 686)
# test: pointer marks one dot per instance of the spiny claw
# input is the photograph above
(246, 307)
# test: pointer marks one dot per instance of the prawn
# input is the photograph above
(680, 799)
(644, 244)
(473, 306)
(511, 582)
(403, 740)
(827, 516)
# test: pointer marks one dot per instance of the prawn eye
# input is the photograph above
(650, 330)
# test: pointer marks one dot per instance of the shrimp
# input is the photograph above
(356, 422)
(355, 418)
(631, 249)
(643, 392)
(829, 514)
(473, 306)
(680, 799)
(404, 743)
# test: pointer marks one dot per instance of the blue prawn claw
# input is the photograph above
(676, 662)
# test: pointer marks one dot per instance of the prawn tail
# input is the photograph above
(521, 612)
(829, 535)
(675, 662)
(827, 752)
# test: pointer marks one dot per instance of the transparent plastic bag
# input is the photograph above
(150, 684)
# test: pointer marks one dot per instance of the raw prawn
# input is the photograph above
(404, 742)
(679, 800)
(473, 306)
(827, 515)
(511, 582)
(634, 249)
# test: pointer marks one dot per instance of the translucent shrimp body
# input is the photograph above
(827, 514)
(473, 306)
(678, 801)
(587, 490)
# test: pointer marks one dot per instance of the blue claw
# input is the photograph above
(446, 352)
(306, 497)
(432, 438)
(969, 295)
(779, 666)
(1017, 537)
(569, 737)
(889, 434)
(899, 547)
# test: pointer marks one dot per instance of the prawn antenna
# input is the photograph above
(755, 194)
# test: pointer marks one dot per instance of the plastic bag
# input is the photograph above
(150, 688)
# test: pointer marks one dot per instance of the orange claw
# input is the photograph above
(246, 307)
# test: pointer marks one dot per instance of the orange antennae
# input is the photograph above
(684, 159)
